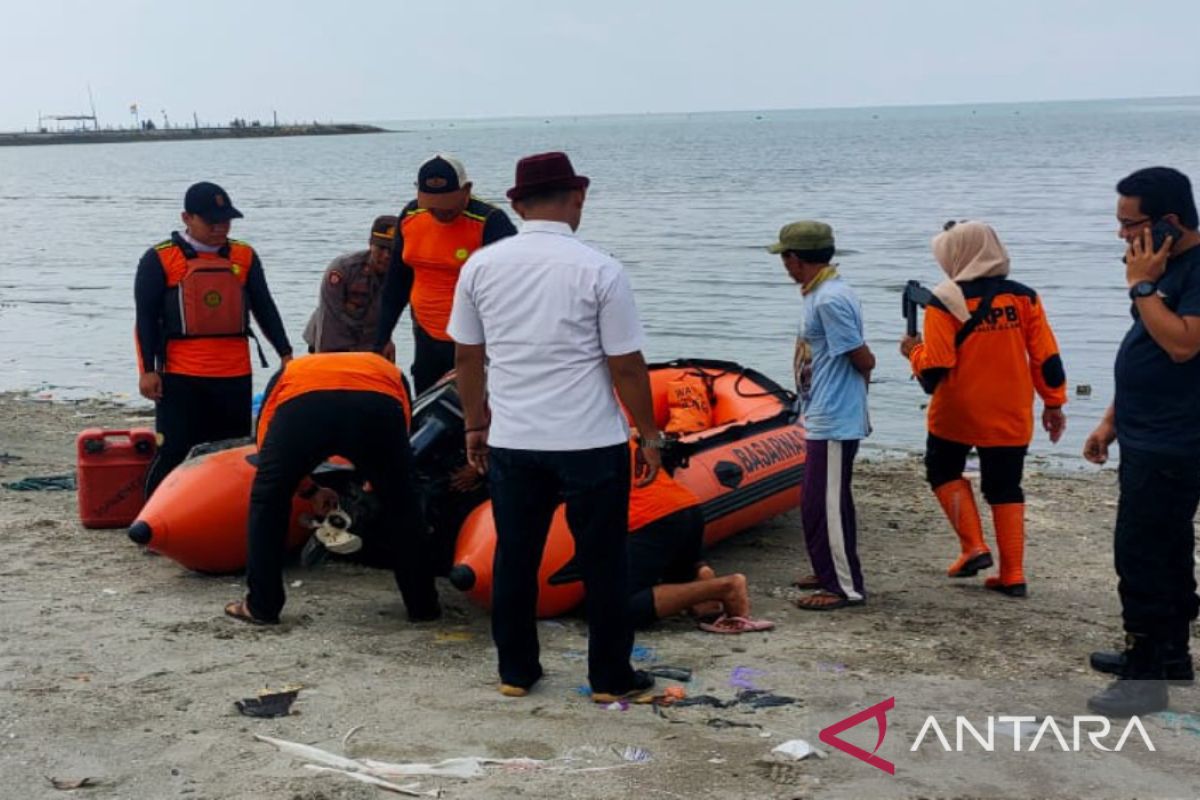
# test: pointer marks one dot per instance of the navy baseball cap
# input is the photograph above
(210, 202)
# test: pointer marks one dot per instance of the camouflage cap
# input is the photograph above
(803, 235)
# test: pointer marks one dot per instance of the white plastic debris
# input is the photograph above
(794, 750)
(306, 752)
(410, 790)
(638, 755)
(465, 767)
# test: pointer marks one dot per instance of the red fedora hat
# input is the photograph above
(545, 172)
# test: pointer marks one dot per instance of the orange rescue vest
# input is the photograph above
(205, 311)
(661, 498)
(322, 372)
(436, 252)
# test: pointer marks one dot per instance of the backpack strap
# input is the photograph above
(979, 315)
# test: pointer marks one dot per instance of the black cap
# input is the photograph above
(383, 231)
(441, 175)
(209, 201)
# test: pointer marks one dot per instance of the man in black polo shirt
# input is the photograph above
(1155, 417)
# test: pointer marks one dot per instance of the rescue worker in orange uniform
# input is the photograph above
(667, 571)
(987, 347)
(194, 294)
(438, 232)
(355, 405)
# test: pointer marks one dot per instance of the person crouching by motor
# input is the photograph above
(194, 293)
(355, 405)
(987, 347)
(347, 315)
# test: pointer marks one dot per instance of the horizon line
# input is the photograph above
(888, 106)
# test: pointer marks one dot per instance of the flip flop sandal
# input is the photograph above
(806, 583)
(724, 624)
(239, 610)
(840, 602)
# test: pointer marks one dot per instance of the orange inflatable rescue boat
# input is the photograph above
(197, 515)
(745, 465)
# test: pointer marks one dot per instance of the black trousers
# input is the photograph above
(432, 358)
(195, 410)
(667, 550)
(1000, 468)
(526, 487)
(1155, 542)
(369, 429)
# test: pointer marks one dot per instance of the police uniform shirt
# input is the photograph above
(347, 315)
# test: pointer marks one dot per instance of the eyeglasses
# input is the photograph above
(952, 223)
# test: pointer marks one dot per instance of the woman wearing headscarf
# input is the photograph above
(987, 346)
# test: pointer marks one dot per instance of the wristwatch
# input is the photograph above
(657, 443)
(1142, 289)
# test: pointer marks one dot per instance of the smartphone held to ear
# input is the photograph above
(1161, 230)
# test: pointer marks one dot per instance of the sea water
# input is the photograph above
(686, 201)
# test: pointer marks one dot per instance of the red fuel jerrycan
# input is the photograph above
(111, 475)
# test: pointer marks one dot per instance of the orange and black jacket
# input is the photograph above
(426, 260)
(332, 372)
(983, 387)
(218, 357)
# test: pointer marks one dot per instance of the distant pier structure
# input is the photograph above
(44, 118)
(88, 131)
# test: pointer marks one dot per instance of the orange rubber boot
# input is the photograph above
(958, 502)
(1009, 519)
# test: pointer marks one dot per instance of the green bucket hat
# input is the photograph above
(804, 235)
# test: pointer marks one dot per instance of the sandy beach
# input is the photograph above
(118, 666)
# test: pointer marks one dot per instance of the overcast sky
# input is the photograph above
(363, 60)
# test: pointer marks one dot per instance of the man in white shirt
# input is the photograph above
(556, 323)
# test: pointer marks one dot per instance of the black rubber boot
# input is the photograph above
(1141, 689)
(1177, 666)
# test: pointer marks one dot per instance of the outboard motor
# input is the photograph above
(437, 423)
(439, 453)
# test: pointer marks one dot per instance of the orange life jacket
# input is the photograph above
(661, 498)
(688, 405)
(322, 372)
(436, 252)
(985, 385)
(205, 311)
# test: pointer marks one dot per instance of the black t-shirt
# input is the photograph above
(1158, 401)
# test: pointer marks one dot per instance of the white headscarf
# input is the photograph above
(966, 252)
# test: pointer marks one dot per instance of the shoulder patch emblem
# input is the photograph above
(236, 269)
(462, 253)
